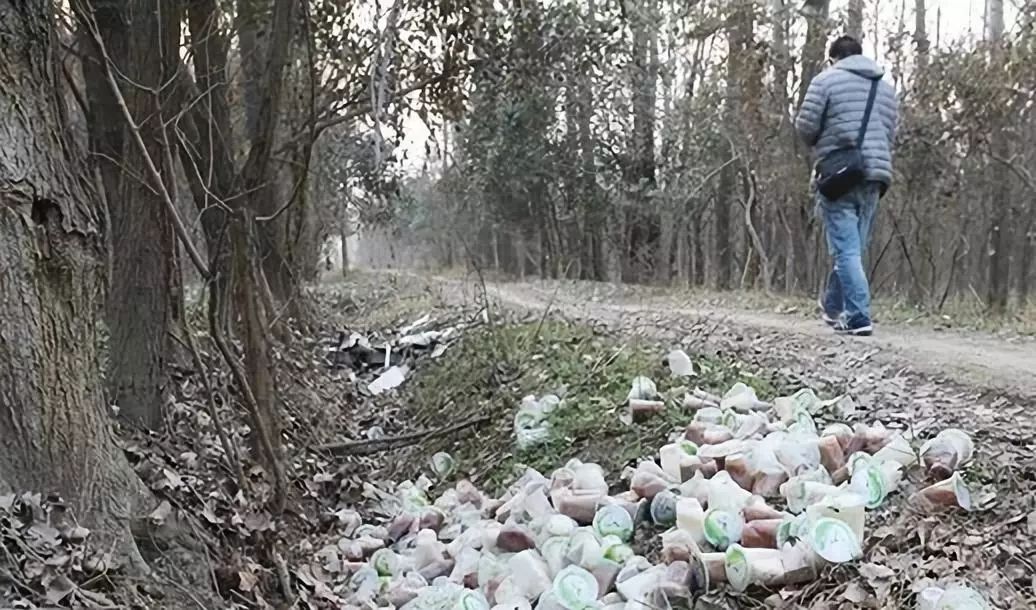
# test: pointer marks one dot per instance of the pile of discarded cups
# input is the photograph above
(750, 494)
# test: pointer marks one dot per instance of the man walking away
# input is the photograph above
(849, 117)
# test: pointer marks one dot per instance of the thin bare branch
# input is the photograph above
(156, 176)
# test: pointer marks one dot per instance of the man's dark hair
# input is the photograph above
(846, 46)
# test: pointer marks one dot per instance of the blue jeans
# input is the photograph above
(848, 222)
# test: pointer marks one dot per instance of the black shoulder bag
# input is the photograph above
(843, 169)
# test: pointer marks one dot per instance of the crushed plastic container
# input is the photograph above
(741, 398)
(615, 521)
(946, 453)
(834, 540)
(680, 364)
(642, 388)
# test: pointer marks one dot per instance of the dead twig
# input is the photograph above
(284, 577)
(378, 445)
(264, 442)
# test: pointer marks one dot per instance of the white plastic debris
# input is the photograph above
(949, 494)
(642, 388)
(614, 520)
(389, 380)
(443, 465)
(948, 451)
(424, 339)
(954, 597)
(834, 540)
(897, 449)
(575, 588)
(807, 400)
(722, 528)
(848, 508)
(531, 426)
(530, 574)
(747, 567)
(741, 398)
(680, 364)
(663, 509)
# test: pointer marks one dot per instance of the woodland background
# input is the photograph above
(652, 142)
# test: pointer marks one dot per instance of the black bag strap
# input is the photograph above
(867, 113)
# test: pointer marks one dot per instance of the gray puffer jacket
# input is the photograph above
(841, 92)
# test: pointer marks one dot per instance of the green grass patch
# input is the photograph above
(491, 369)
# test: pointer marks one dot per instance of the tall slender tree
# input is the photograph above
(1000, 217)
(641, 222)
(854, 26)
(594, 205)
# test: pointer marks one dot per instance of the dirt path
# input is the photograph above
(972, 359)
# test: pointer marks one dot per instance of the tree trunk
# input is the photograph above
(593, 202)
(255, 179)
(812, 62)
(786, 197)
(999, 230)
(105, 123)
(1028, 259)
(55, 434)
(208, 160)
(345, 252)
(253, 31)
(738, 41)
(855, 19)
(921, 33)
(643, 235)
(262, 61)
(141, 302)
(813, 51)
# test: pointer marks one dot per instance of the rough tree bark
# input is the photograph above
(105, 126)
(816, 39)
(787, 198)
(55, 433)
(141, 303)
(751, 76)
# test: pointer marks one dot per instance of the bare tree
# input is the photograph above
(596, 212)
(641, 223)
(999, 229)
(921, 42)
(740, 20)
(855, 19)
